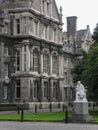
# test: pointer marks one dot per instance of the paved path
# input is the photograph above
(45, 126)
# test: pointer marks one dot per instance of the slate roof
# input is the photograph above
(80, 34)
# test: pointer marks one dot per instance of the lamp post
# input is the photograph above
(65, 106)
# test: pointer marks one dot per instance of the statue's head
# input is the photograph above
(79, 82)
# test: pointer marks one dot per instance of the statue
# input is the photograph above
(80, 105)
(80, 92)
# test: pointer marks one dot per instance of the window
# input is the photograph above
(65, 77)
(36, 89)
(6, 70)
(45, 89)
(18, 89)
(54, 64)
(48, 8)
(17, 60)
(18, 26)
(5, 92)
(24, 26)
(35, 60)
(5, 50)
(46, 32)
(43, 6)
(54, 35)
(54, 90)
(46, 63)
(36, 28)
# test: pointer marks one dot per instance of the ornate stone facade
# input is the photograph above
(31, 58)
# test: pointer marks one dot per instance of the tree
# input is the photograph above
(87, 69)
(79, 67)
(89, 75)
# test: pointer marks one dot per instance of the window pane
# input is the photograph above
(18, 60)
(5, 92)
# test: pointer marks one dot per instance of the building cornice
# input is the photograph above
(37, 14)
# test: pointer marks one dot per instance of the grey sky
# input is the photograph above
(85, 10)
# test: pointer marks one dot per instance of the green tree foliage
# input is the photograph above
(87, 69)
(79, 68)
(89, 75)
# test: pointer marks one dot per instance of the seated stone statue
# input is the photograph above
(80, 93)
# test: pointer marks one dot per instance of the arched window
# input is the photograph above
(35, 60)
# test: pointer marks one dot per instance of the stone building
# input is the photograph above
(31, 58)
(73, 42)
(36, 57)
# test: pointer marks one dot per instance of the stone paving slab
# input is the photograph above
(45, 126)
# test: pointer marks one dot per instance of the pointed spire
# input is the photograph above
(61, 10)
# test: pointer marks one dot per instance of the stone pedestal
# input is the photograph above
(80, 108)
(80, 113)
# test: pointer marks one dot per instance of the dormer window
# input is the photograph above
(43, 6)
(46, 7)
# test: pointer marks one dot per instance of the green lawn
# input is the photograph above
(94, 113)
(47, 116)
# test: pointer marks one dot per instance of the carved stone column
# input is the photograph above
(22, 59)
(41, 62)
(50, 64)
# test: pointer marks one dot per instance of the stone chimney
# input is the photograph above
(72, 26)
